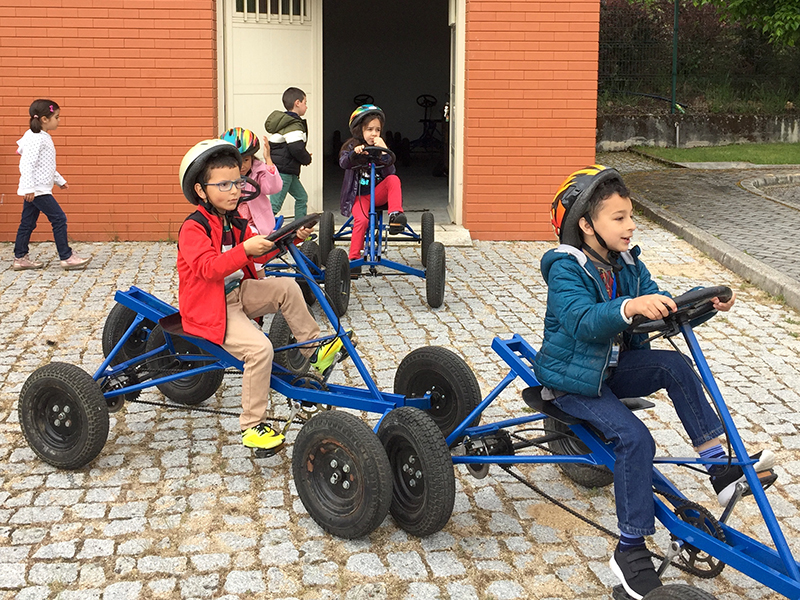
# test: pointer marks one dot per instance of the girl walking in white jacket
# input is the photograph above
(37, 169)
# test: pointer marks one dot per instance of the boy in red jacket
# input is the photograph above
(219, 292)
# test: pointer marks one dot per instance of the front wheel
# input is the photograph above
(191, 390)
(280, 334)
(451, 383)
(678, 591)
(325, 236)
(435, 275)
(63, 415)
(342, 474)
(422, 470)
(337, 280)
(427, 233)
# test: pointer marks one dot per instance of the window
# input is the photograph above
(273, 11)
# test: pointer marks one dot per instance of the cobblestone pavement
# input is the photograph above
(175, 507)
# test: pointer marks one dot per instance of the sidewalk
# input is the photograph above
(174, 507)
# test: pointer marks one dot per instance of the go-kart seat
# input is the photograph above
(173, 325)
(533, 398)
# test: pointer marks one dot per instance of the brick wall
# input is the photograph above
(530, 109)
(136, 81)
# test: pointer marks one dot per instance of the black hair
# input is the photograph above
(292, 95)
(41, 108)
(602, 193)
(219, 160)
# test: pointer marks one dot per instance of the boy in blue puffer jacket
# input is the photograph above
(596, 286)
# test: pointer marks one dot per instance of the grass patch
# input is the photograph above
(760, 154)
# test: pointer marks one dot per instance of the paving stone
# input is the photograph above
(366, 564)
(406, 565)
(199, 586)
(12, 575)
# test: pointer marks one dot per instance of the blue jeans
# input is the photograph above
(640, 373)
(30, 215)
(291, 185)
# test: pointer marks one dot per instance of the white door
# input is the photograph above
(457, 22)
(268, 46)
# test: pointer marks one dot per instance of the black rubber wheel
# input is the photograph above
(678, 591)
(191, 390)
(588, 476)
(63, 415)
(119, 319)
(452, 384)
(342, 474)
(280, 334)
(435, 275)
(310, 250)
(422, 471)
(325, 236)
(427, 233)
(337, 280)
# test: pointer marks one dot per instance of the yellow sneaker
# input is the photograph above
(329, 354)
(262, 436)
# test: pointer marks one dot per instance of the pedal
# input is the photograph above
(673, 550)
(266, 453)
(294, 409)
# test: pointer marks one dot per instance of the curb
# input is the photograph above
(768, 279)
(755, 185)
(657, 159)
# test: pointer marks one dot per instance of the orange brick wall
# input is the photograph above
(136, 81)
(530, 110)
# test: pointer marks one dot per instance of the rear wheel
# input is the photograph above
(569, 444)
(120, 317)
(325, 236)
(451, 383)
(191, 390)
(63, 415)
(337, 280)
(342, 474)
(424, 485)
(427, 235)
(435, 275)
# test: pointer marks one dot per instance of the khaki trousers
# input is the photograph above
(245, 341)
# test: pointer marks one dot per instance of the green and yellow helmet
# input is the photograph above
(572, 201)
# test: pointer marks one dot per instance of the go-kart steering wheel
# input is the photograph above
(375, 153)
(691, 305)
(363, 99)
(289, 230)
(426, 100)
(246, 197)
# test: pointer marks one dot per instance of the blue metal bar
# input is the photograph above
(478, 410)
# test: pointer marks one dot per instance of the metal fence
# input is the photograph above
(719, 64)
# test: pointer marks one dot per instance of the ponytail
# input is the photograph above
(41, 108)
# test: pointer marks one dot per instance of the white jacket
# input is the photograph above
(37, 164)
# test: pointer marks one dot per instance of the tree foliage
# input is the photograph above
(777, 19)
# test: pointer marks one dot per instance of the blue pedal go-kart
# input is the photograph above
(702, 542)
(347, 475)
(377, 240)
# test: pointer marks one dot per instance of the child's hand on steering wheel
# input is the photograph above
(258, 245)
(304, 232)
(723, 306)
(359, 149)
(652, 306)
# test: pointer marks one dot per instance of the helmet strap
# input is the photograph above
(612, 261)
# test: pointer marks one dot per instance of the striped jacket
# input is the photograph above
(288, 135)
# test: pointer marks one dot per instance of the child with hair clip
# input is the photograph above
(366, 124)
(37, 175)
(257, 211)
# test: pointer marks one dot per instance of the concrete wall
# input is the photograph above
(137, 86)
(618, 132)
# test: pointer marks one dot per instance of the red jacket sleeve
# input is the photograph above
(204, 260)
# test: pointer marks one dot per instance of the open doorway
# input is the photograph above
(396, 55)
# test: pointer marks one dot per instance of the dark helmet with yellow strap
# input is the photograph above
(572, 201)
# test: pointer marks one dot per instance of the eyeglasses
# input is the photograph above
(227, 186)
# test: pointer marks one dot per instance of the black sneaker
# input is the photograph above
(397, 222)
(634, 569)
(725, 478)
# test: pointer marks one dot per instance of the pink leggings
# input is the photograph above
(386, 192)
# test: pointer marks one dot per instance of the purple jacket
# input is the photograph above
(355, 165)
